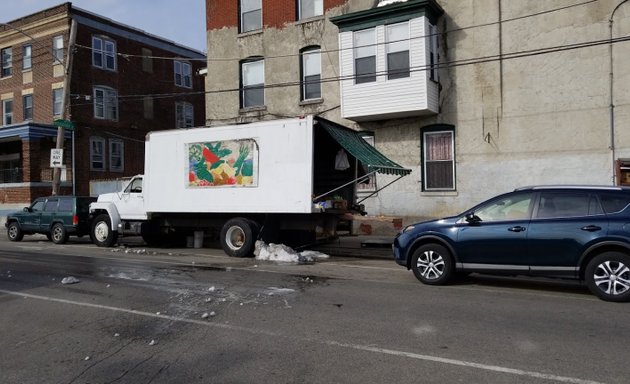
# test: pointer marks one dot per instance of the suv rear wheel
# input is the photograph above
(58, 234)
(14, 232)
(608, 276)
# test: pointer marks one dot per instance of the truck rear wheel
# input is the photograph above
(102, 234)
(238, 237)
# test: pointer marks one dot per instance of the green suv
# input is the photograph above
(57, 217)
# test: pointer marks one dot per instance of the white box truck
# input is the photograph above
(278, 180)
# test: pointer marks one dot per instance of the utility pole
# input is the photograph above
(64, 106)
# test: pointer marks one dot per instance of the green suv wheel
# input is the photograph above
(14, 232)
(58, 234)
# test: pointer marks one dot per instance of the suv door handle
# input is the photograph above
(518, 228)
(591, 228)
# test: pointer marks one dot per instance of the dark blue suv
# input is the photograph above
(580, 232)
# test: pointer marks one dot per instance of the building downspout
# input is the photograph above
(611, 93)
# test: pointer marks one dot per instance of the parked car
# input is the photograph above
(580, 232)
(57, 217)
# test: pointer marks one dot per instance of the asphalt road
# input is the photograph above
(196, 316)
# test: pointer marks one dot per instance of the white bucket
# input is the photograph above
(198, 239)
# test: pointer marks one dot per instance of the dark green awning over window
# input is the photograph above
(352, 142)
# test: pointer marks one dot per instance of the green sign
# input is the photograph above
(67, 124)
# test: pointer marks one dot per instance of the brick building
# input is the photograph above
(121, 83)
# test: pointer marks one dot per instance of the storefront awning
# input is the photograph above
(351, 141)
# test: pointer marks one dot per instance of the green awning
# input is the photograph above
(351, 141)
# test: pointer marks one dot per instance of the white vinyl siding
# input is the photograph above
(412, 96)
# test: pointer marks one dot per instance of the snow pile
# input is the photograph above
(69, 280)
(283, 253)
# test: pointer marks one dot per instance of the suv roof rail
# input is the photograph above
(575, 186)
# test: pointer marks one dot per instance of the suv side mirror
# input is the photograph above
(27, 209)
(471, 218)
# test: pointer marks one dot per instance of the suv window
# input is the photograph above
(513, 207)
(568, 204)
(65, 205)
(51, 205)
(38, 206)
(614, 202)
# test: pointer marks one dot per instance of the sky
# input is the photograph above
(182, 21)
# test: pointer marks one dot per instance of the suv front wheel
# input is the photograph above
(14, 232)
(608, 276)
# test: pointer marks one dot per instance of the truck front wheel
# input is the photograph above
(238, 237)
(102, 234)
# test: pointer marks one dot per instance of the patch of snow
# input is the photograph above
(152, 342)
(383, 3)
(283, 253)
(278, 291)
(205, 315)
(69, 280)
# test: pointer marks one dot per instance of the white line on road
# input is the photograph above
(358, 347)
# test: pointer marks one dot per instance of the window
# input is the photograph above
(103, 53)
(397, 36)
(433, 53)
(148, 107)
(365, 56)
(7, 62)
(116, 155)
(57, 49)
(368, 184)
(27, 106)
(97, 154)
(183, 74)
(438, 160)
(105, 103)
(7, 112)
(514, 207)
(310, 8)
(568, 204)
(147, 60)
(311, 74)
(184, 113)
(27, 57)
(57, 101)
(253, 83)
(251, 15)
(51, 205)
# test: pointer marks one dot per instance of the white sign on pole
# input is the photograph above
(56, 158)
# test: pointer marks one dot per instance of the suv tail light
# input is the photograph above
(75, 220)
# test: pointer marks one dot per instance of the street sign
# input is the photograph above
(56, 158)
(67, 124)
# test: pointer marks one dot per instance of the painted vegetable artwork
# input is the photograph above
(222, 163)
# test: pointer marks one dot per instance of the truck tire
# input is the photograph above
(102, 234)
(238, 237)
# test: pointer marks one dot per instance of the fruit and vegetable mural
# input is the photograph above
(222, 163)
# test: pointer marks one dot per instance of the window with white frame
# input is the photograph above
(184, 115)
(103, 53)
(147, 60)
(57, 101)
(97, 154)
(365, 56)
(7, 112)
(6, 56)
(434, 57)
(27, 106)
(251, 15)
(183, 74)
(311, 73)
(27, 56)
(438, 152)
(397, 36)
(367, 184)
(57, 49)
(116, 155)
(105, 103)
(310, 8)
(253, 83)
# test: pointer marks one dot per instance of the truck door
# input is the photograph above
(131, 201)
